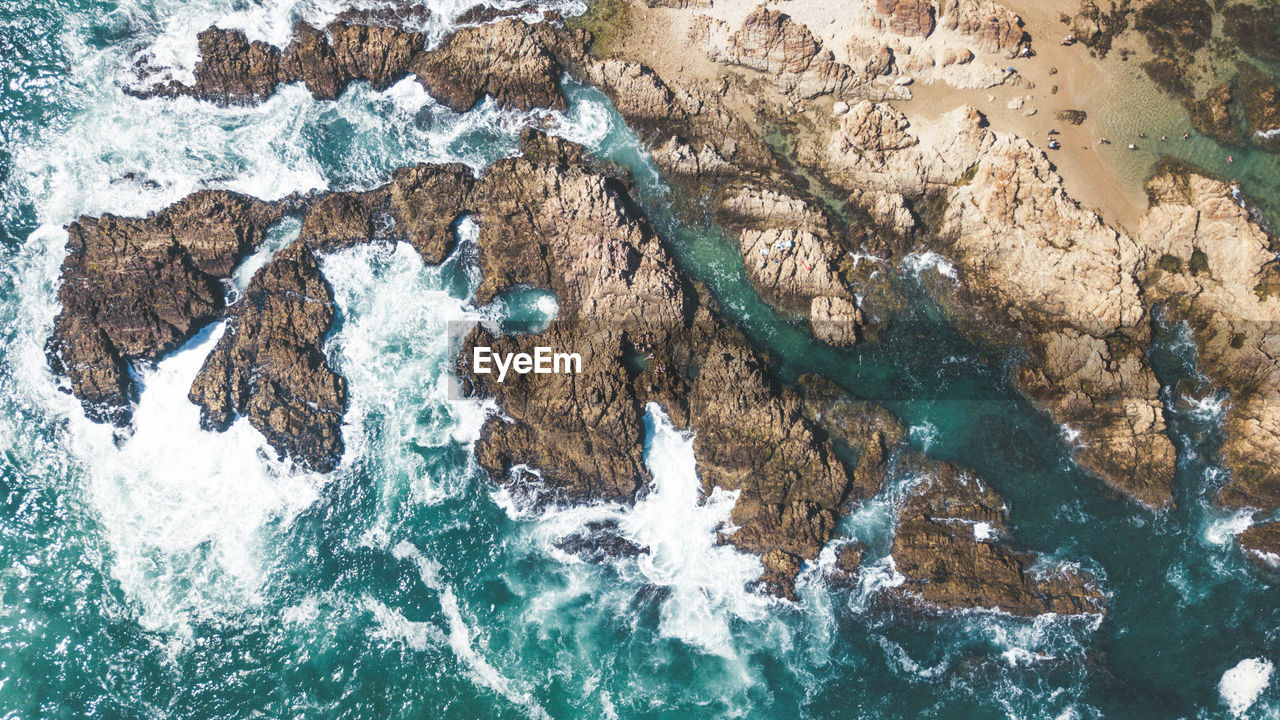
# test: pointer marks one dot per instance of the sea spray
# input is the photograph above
(1242, 685)
(188, 512)
(398, 336)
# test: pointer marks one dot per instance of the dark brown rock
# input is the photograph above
(505, 60)
(863, 434)
(1261, 543)
(950, 547)
(310, 58)
(269, 365)
(234, 71)
(1212, 116)
(756, 438)
(136, 289)
(1073, 117)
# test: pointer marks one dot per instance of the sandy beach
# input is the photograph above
(1119, 99)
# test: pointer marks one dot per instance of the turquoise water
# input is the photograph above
(178, 573)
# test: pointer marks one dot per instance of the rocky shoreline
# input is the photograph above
(861, 180)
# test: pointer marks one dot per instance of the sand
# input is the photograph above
(1118, 98)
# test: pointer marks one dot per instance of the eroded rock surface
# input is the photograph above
(950, 546)
(269, 365)
(501, 59)
(1211, 265)
(136, 289)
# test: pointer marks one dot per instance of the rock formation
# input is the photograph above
(458, 73)
(908, 17)
(1209, 264)
(135, 289)
(950, 548)
(1030, 261)
(645, 333)
(268, 365)
(1261, 544)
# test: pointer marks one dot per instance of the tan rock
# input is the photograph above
(835, 320)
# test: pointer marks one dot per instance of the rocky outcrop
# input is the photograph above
(507, 60)
(269, 366)
(1260, 97)
(136, 289)
(755, 438)
(862, 434)
(1211, 265)
(1211, 114)
(546, 221)
(908, 17)
(1261, 544)
(643, 336)
(950, 546)
(835, 320)
(770, 42)
(1053, 267)
(1031, 262)
(992, 27)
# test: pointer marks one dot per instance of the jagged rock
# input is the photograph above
(232, 70)
(1029, 257)
(508, 60)
(994, 28)
(504, 60)
(861, 433)
(951, 549)
(755, 438)
(835, 321)
(771, 42)
(1105, 391)
(269, 365)
(1030, 250)
(600, 541)
(908, 17)
(1223, 284)
(546, 221)
(1261, 99)
(1261, 543)
(136, 289)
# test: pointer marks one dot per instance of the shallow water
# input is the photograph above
(181, 573)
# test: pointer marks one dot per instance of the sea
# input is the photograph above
(170, 572)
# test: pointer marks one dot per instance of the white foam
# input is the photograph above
(917, 262)
(461, 637)
(679, 524)
(401, 328)
(1206, 409)
(924, 434)
(278, 237)
(187, 512)
(1241, 686)
(982, 532)
(393, 627)
(1223, 528)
